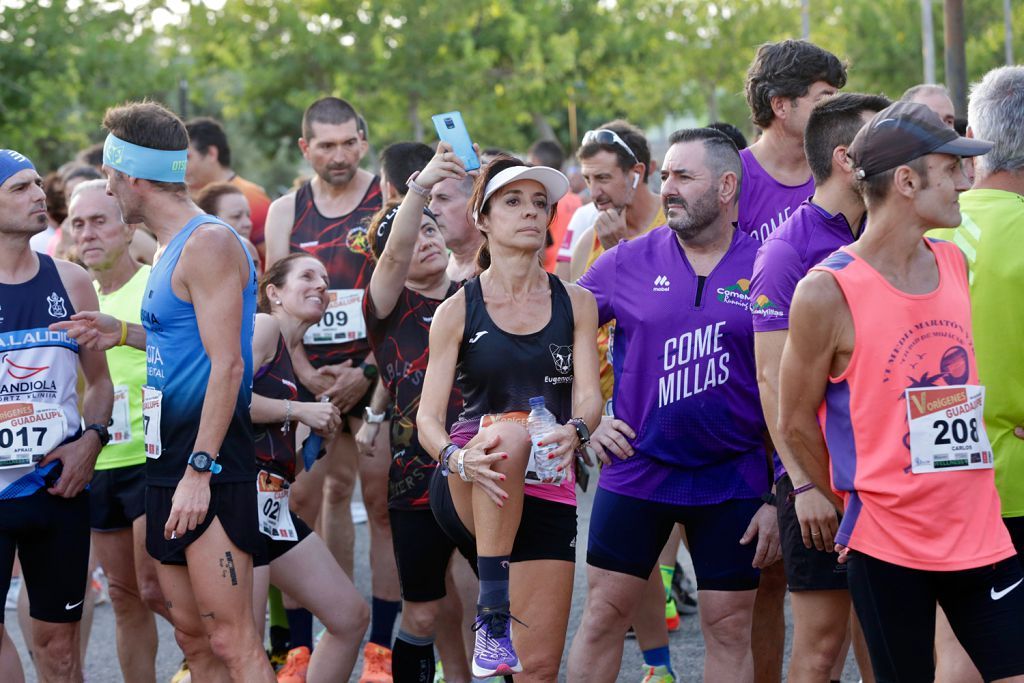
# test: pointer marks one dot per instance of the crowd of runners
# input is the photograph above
(795, 362)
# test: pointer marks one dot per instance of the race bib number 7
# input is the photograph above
(152, 403)
(29, 431)
(947, 432)
(343, 320)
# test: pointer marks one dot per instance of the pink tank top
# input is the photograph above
(944, 520)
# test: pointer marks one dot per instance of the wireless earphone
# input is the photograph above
(636, 180)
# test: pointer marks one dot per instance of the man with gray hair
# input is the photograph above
(935, 97)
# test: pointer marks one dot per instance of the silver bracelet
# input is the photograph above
(287, 417)
(460, 464)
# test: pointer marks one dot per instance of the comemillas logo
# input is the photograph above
(736, 294)
(765, 307)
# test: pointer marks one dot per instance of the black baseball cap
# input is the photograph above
(905, 131)
(381, 229)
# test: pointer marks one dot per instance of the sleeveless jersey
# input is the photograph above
(342, 243)
(38, 377)
(765, 203)
(128, 373)
(275, 449)
(499, 372)
(935, 521)
(177, 366)
(685, 377)
(400, 345)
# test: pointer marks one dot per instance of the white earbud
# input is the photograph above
(636, 180)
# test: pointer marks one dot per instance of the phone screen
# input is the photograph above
(452, 130)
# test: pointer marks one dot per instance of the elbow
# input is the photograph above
(228, 370)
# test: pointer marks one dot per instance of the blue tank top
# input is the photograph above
(38, 376)
(177, 366)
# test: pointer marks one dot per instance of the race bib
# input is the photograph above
(29, 431)
(120, 418)
(343, 320)
(272, 498)
(152, 400)
(520, 417)
(947, 432)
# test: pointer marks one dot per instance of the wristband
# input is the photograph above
(460, 463)
(124, 333)
(445, 456)
(416, 187)
(768, 498)
(800, 489)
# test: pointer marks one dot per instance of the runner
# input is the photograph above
(228, 203)
(935, 97)
(449, 202)
(488, 332)
(117, 498)
(783, 83)
(292, 297)
(688, 438)
(196, 329)
(408, 284)
(879, 369)
(398, 161)
(209, 161)
(833, 217)
(47, 458)
(327, 217)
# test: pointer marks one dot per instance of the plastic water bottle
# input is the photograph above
(540, 423)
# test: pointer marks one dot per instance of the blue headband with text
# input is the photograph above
(12, 162)
(163, 165)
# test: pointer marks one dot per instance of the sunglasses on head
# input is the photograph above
(604, 136)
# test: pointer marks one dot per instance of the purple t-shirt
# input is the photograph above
(802, 242)
(765, 203)
(685, 379)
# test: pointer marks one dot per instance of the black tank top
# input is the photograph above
(275, 450)
(343, 245)
(500, 372)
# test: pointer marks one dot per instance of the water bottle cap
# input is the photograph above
(537, 402)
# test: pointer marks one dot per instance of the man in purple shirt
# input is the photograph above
(689, 448)
(832, 218)
(783, 83)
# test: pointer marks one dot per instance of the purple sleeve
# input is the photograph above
(777, 270)
(600, 281)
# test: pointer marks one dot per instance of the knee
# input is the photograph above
(543, 666)
(58, 647)
(230, 643)
(151, 595)
(728, 628)
(420, 618)
(124, 601)
(512, 439)
(338, 489)
(350, 621)
(606, 618)
(192, 641)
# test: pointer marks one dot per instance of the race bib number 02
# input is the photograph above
(152, 401)
(272, 498)
(29, 431)
(120, 418)
(947, 432)
(343, 320)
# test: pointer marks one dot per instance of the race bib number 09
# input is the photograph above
(343, 320)
(947, 432)
(29, 431)
(152, 402)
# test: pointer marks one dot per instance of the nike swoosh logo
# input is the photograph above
(998, 595)
(68, 606)
(477, 336)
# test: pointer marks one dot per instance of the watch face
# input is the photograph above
(201, 461)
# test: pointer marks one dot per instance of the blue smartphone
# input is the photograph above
(452, 130)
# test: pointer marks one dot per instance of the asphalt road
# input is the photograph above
(687, 643)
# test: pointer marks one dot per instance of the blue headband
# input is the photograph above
(11, 162)
(167, 166)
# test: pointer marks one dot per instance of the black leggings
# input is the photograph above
(896, 607)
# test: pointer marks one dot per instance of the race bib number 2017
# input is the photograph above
(947, 432)
(29, 431)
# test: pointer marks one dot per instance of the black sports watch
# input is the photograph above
(582, 431)
(369, 370)
(101, 431)
(201, 461)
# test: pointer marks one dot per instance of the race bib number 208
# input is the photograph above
(947, 432)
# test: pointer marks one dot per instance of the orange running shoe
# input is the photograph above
(376, 664)
(294, 669)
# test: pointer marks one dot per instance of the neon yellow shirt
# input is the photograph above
(128, 373)
(990, 236)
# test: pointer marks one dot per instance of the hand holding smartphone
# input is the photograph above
(451, 129)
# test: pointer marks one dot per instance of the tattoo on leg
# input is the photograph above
(168, 605)
(227, 566)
